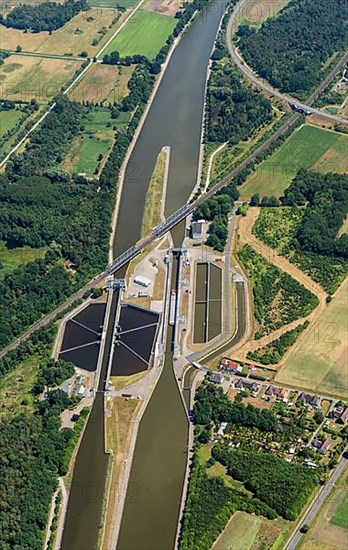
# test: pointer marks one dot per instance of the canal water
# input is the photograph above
(208, 302)
(152, 505)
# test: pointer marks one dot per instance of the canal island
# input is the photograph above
(173, 275)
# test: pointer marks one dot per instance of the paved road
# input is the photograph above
(267, 88)
(317, 503)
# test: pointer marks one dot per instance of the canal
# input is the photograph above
(152, 506)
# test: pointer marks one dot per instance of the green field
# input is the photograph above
(96, 139)
(340, 517)
(113, 3)
(10, 259)
(9, 119)
(307, 147)
(144, 34)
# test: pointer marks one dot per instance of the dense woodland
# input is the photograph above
(47, 16)
(326, 199)
(234, 110)
(291, 50)
(283, 486)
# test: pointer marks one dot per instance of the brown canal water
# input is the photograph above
(153, 502)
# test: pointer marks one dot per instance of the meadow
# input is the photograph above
(145, 34)
(74, 37)
(9, 119)
(307, 147)
(319, 361)
(94, 142)
(103, 83)
(23, 78)
(245, 531)
(10, 259)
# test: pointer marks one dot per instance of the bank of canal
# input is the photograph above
(152, 506)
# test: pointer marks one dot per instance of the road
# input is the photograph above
(250, 75)
(316, 504)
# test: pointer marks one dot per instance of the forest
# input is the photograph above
(283, 486)
(291, 50)
(32, 455)
(275, 350)
(326, 199)
(278, 298)
(212, 404)
(234, 110)
(46, 16)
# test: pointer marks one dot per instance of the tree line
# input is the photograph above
(274, 351)
(47, 16)
(291, 50)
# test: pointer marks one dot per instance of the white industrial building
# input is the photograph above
(142, 281)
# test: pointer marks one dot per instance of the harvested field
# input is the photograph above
(256, 11)
(73, 38)
(319, 361)
(325, 533)
(165, 7)
(24, 78)
(103, 83)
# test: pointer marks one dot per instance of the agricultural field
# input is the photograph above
(103, 83)
(113, 3)
(9, 119)
(24, 78)
(330, 529)
(10, 259)
(73, 38)
(278, 298)
(308, 147)
(144, 34)
(165, 7)
(246, 531)
(277, 228)
(319, 362)
(90, 148)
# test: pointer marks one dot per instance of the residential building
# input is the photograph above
(216, 378)
(308, 399)
(245, 385)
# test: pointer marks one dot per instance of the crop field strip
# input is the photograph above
(145, 34)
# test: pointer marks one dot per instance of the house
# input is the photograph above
(216, 378)
(229, 365)
(344, 417)
(338, 411)
(278, 393)
(251, 368)
(308, 399)
(197, 230)
(324, 447)
(244, 385)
